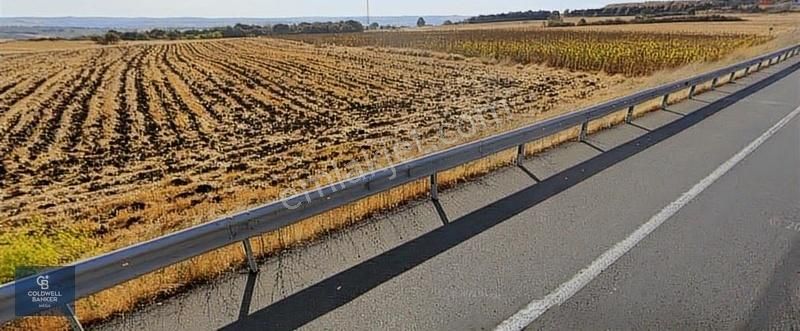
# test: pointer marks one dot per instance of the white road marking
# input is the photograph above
(536, 308)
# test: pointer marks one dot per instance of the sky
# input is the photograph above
(277, 8)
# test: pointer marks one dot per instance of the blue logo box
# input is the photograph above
(43, 290)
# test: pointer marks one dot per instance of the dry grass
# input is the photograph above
(163, 218)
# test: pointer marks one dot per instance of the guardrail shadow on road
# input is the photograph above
(329, 294)
(247, 298)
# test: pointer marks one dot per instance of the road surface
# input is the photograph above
(728, 258)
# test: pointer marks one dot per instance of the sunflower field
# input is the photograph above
(614, 52)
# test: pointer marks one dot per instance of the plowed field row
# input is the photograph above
(140, 139)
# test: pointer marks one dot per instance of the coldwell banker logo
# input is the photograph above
(43, 290)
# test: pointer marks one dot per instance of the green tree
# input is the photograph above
(281, 28)
(421, 22)
(111, 37)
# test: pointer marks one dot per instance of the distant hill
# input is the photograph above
(649, 8)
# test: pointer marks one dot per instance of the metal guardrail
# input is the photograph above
(98, 273)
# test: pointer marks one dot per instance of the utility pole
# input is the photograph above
(368, 13)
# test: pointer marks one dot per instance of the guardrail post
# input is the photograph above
(629, 115)
(584, 129)
(434, 188)
(72, 318)
(692, 90)
(746, 71)
(665, 101)
(732, 77)
(759, 65)
(520, 154)
(251, 259)
(714, 83)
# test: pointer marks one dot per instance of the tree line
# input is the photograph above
(530, 15)
(236, 31)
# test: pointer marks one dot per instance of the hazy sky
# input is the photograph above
(276, 8)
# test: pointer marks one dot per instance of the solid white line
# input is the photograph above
(536, 308)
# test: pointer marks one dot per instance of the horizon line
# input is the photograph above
(238, 17)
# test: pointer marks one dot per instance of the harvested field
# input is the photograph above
(141, 140)
(28, 46)
(102, 147)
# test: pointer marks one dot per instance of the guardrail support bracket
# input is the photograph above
(759, 65)
(434, 188)
(584, 131)
(665, 101)
(746, 71)
(732, 77)
(520, 154)
(74, 323)
(714, 83)
(629, 115)
(691, 91)
(251, 259)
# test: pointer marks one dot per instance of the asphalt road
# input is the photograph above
(728, 259)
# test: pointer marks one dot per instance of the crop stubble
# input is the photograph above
(133, 138)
